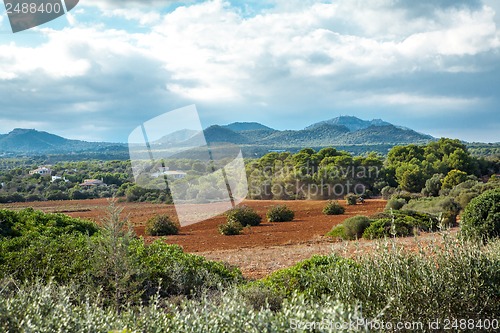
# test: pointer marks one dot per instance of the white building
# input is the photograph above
(43, 171)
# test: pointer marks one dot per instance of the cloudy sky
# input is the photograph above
(110, 65)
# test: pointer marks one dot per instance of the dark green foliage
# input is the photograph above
(280, 213)
(351, 199)
(29, 221)
(395, 204)
(245, 215)
(170, 271)
(333, 207)
(387, 227)
(433, 185)
(355, 226)
(161, 225)
(481, 218)
(453, 178)
(307, 277)
(231, 227)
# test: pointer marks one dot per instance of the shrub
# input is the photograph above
(481, 218)
(395, 204)
(387, 227)
(355, 226)
(333, 208)
(337, 232)
(161, 225)
(387, 192)
(231, 227)
(351, 199)
(280, 213)
(245, 215)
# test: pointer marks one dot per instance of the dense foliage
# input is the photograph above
(161, 225)
(280, 213)
(245, 215)
(481, 218)
(333, 207)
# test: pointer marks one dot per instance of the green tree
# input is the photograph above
(453, 178)
(410, 177)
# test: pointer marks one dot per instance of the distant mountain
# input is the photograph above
(255, 138)
(32, 141)
(252, 126)
(176, 137)
(352, 123)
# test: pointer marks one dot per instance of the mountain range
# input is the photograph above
(340, 131)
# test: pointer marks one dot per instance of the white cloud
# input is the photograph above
(211, 52)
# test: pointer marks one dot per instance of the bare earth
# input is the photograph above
(259, 250)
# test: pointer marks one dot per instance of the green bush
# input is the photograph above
(386, 227)
(391, 283)
(481, 218)
(395, 204)
(231, 227)
(161, 225)
(280, 213)
(337, 232)
(351, 199)
(333, 207)
(29, 221)
(355, 226)
(245, 215)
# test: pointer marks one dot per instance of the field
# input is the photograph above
(258, 251)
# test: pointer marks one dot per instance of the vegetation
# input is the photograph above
(481, 217)
(351, 199)
(333, 207)
(161, 225)
(280, 213)
(231, 227)
(355, 226)
(245, 215)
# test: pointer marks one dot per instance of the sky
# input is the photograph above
(108, 66)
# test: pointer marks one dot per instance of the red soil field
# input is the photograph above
(259, 250)
(310, 224)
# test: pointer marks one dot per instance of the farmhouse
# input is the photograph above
(88, 183)
(42, 170)
(172, 174)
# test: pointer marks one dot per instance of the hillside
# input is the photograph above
(247, 126)
(33, 141)
(352, 123)
(255, 139)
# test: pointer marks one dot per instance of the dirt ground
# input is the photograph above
(258, 251)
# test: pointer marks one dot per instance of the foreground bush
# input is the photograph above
(112, 262)
(161, 225)
(333, 207)
(458, 280)
(245, 215)
(355, 226)
(481, 218)
(231, 228)
(280, 213)
(52, 308)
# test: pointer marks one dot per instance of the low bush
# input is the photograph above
(333, 207)
(351, 199)
(481, 218)
(231, 227)
(337, 232)
(387, 227)
(355, 226)
(395, 204)
(245, 215)
(280, 213)
(161, 225)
